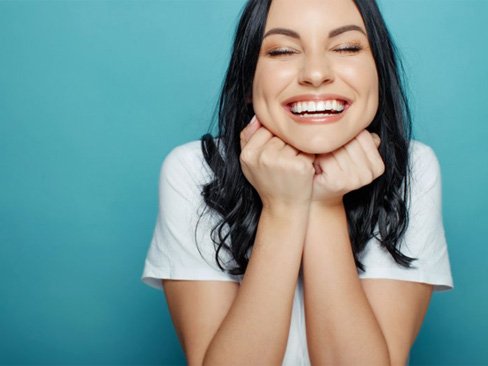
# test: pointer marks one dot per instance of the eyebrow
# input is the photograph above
(346, 28)
(333, 33)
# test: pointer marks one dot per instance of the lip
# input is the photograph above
(313, 97)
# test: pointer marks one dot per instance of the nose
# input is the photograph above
(316, 70)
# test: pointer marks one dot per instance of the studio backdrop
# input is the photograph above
(94, 94)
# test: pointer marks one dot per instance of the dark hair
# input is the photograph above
(377, 210)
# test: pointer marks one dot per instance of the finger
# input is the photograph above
(369, 146)
(275, 144)
(368, 143)
(291, 152)
(328, 165)
(250, 129)
(358, 155)
(260, 137)
(343, 159)
(376, 139)
(364, 168)
(316, 166)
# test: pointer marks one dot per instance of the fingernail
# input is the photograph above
(253, 120)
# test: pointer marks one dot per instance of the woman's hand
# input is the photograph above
(348, 168)
(281, 175)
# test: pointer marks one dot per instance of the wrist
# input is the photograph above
(329, 220)
(286, 210)
(327, 209)
(328, 205)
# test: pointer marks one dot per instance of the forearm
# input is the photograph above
(341, 326)
(255, 331)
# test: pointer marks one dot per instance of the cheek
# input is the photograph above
(363, 78)
(270, 80)
(373, 82)
(374, 94)
(257, 88)
(259, 98)
(259, 91)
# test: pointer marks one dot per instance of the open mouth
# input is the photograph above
(317, 109)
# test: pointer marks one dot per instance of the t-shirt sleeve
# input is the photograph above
(424, 238)
(181, 247)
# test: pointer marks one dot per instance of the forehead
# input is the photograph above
(313, 14)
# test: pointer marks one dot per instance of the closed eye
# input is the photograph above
(280, 52)
(353, 48)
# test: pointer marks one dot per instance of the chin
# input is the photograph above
(316, 146)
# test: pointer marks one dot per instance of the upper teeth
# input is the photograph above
(318, 106)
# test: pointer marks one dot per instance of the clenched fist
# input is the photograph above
(281, 174)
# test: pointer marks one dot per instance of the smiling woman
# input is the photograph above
(309, 231)
(323, 46)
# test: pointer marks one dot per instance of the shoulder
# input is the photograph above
(424, 167)
(188, 154)
(185, 164)
(422, 155)
(182, 247)
(424, 238)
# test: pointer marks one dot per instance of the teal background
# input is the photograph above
(94, 94)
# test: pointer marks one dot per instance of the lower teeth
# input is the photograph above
(317, 114)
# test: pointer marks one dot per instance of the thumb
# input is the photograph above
(376, 139)
(249, 130)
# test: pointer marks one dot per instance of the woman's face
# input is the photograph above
(316, 85)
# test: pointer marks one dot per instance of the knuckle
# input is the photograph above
(363, 135)
(243, 134)
(368, 177)
(338, 184)
(265, 159)
(380, 169)
(246, 156)
(355, 182)
(304, 167)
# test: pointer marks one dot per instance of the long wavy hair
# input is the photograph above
(377, 210)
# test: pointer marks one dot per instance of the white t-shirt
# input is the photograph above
(174, 254)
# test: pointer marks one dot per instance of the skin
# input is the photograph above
(301, 174)
(315, 64)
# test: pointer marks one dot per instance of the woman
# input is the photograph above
(314, 233)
